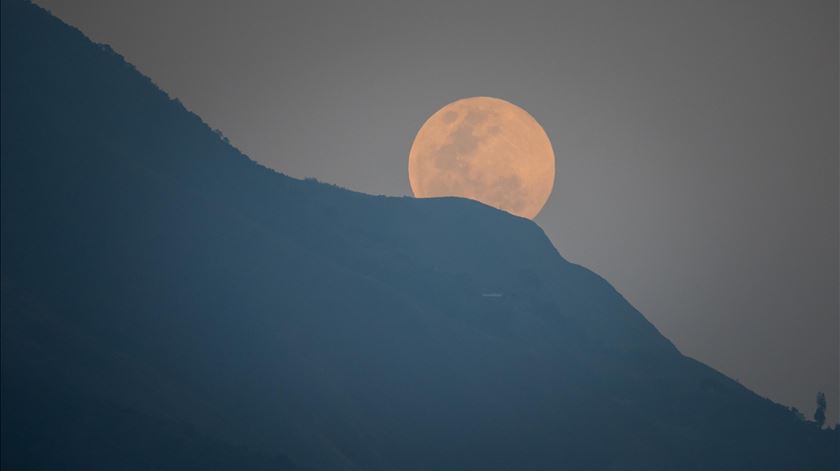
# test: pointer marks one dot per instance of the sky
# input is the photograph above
(696, 142)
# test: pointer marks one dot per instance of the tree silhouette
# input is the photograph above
(819, 414)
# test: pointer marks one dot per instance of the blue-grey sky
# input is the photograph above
(696, 141)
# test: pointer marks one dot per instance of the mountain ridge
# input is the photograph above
(286, 317)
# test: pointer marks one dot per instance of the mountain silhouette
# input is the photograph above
(168, 303)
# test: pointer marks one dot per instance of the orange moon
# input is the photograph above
(485, 149)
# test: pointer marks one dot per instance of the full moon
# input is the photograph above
(485, 149)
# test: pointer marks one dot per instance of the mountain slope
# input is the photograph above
(168, 303)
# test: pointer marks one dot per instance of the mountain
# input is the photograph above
(168, 303)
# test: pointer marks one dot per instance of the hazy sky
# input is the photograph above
(696, 142)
